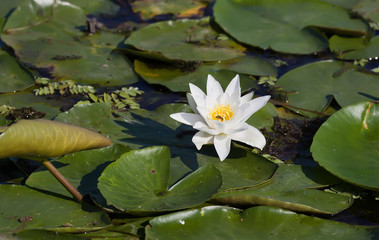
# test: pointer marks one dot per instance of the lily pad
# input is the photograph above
(273, 25)
(347, 144)
(29, 100)
(179, 8)
(68, 53)
(314, 85)
(355, 48)
(24, 208)
(96, 6)
(291, 188)
(138, 182)
(187, 40)
(177, 79)
(216, 222)
(368, 9)
(12, 76)
(81, 168)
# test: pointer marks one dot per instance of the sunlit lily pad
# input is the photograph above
(177, 79)
(25, 208)
(347, 144)
(217, 222)
(314, 85)
(138, 182)
(272, 24)
(12, 76)
(186, 39)
(68, 53)
(291, 188)
(179, 8)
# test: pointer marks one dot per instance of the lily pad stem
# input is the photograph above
(63, 180)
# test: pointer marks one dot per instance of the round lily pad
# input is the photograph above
(347, 144)
(138, 182)
(186, 39)
(273, 24)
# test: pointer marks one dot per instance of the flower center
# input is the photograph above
(222, 113)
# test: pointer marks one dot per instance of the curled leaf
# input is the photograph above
(45, 138)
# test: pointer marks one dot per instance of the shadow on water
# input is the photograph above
(147, 132)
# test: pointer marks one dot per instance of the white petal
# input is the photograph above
(250, 136)
(197, 94)
(214, 89)
(252, 106)
(192, 103)
(234, 89)
(187, 118)
(201, 138)
(205, 128)
(222, 145)
(247, 97)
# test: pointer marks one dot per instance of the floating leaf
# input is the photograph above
(347, 144)
(289, 189)
(180, 8)
(82, 168)
(314, 85)
(355, 48)
(12, 76)
(187, 40)
(272, 24)
(177, 79)
(217, 222)
(138, 182)
(25, 208)
(68, 53)
(45, 138)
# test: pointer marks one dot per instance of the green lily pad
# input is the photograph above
(368, 9)
(97, 6)
(187, 40)
(347, 144)
(342, 3)
(23, 208)
(81, 168)
(355, 48)
(12, 76)
(274, 25)
(68, 53)
(314, 85)
(179, 8)
(291, 188)
(29, 100)
(216, 222)
(177, 79)
(138, 182)
(39, 235)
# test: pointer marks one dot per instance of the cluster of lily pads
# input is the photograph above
(152, 182)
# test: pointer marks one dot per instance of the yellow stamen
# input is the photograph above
(222, 113)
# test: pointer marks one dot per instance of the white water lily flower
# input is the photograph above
(220, 116)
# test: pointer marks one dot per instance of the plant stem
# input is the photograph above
(63, 180)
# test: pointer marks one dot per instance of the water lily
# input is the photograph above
(221, 116)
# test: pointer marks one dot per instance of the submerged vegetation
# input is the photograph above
(121, 68)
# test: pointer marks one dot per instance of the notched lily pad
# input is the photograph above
(138, 182)
(186, 39)
(347, 144)
(314, 85)
(290, 188)
(355, 48)
(272, 24)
